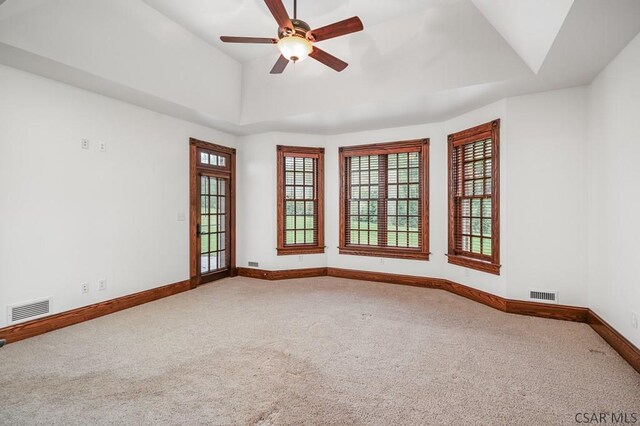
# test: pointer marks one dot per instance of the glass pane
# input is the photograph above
(288, 163)
(475, 208)
(392, 191)
(414, 175)
(403, 160)
(486, 227)
(204, 244)
(403, 191)
(475, 227)
(466, 226)
(310, 208)
(413, 159)
(204, 158)
(213, 160)
(476, 244)
(393, 161)
(414, 191)
(486, 208)
(393, 176)
(290, 237)
(290, 222)
(486, 246)
(290, 207)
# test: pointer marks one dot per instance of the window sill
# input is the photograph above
(476, 264)
(289, 251)
(384, 252)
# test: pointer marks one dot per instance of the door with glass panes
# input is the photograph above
(212, 205)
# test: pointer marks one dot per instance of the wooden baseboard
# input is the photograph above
(624, 347)
(285, 274)
(558, 312)
(617, 341)
(544, 310)
(28, 329)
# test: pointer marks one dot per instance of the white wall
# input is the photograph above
(546, 195)
(614, 198)
(155, 55)
(257, 200)
(542, 174)
(69, 215)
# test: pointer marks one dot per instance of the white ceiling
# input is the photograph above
(416, 61)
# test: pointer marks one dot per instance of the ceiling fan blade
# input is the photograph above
(260, 40)
(280, 13)
(327, 59)
(338, 29)
(280, 65)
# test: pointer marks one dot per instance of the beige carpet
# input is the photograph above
(314, 351)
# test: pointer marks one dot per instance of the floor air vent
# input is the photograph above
(544, 296)
(253, 264)
(29, 310)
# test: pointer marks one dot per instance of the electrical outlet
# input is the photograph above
(634, 320)
(84, 288)
(181, 216)
(102, 146)
(382, 261)
(84, 143)
(102, 284)
(300, 258)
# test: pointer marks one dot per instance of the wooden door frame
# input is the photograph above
(194, 203)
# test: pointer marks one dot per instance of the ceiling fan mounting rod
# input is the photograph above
(295, 9)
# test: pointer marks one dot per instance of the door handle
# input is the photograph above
(198, 230)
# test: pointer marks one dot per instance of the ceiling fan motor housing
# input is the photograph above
(300, 29)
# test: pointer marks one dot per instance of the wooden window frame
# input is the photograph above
(415, 145)
(228, 172)
(489, 264)
(308, 152)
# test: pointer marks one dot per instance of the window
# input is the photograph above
(300, 200)
(384, 200)
(474, 203)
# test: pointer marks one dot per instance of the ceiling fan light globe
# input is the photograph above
(295, 48)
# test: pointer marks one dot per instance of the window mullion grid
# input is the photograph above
(347, 200)
(382, 200)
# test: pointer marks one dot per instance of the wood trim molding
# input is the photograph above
(195, 171)
(286, 274)
(382, 249)
(301, 152)
(544, 310)
(617, 341)
(33, 328)
(456, 254)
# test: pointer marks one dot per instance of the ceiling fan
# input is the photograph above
(296, 38)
